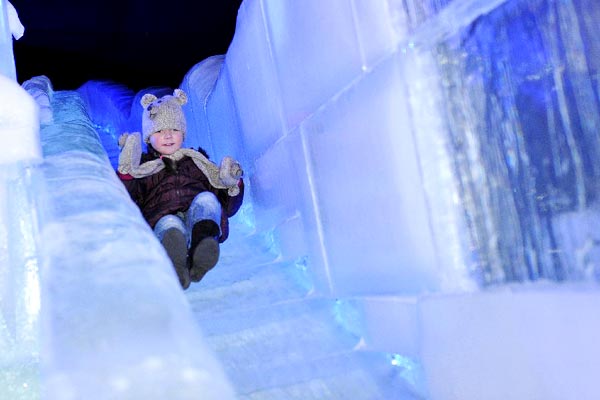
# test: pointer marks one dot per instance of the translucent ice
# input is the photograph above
(115, 321)
(21, 193)
(7, 61)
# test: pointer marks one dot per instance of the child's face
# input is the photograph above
(167, 141)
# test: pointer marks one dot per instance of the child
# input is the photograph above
(183, 196)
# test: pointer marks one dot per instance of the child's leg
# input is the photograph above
(172, 233)
(203, 219)
(168, 222)
(205, 206)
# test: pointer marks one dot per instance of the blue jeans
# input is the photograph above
(204, 206)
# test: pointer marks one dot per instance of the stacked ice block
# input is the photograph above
(416, 155)
(21, 198)
(114, 322)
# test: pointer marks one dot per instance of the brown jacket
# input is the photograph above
(168, 192)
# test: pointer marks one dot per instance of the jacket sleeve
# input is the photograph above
(231, 204)
(133, 187)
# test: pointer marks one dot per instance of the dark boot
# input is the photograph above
(175, 244)
(204, 248)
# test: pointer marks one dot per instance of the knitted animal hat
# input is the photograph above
(163, 113)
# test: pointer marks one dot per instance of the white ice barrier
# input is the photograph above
(521, 343)
(7, 62)
(199, 83)
(450, 148)
(115, 322)
(400, 149)
(20, 182)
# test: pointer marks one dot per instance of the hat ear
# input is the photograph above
(147, 99)
(180, 96)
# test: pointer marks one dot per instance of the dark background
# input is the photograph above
(139, 43)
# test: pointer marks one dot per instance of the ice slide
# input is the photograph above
(425, 173)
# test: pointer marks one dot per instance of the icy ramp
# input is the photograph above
(115, 323)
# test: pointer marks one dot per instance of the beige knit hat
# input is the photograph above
(163, 113)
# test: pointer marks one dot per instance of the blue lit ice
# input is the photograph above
(421, 218)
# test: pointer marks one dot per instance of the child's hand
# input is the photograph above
(230, 171)
(123, 139)
(236, 171)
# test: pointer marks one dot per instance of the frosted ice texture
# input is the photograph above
(20, 203)
(313, 46)
(536, 342)
(223, 121)
(354, 144)
(475, 120)
(453, 152)
(522, 123)
(20, 119)
(212, 121)
(7, 61)
(16, 27)
(199, 84)
(115, 321)
(252, 70)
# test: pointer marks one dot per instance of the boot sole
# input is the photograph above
(205, 257)
(175, 244)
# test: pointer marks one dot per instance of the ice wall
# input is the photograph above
(321, 134)
(115, 322)
(410, 153)
(19, 226)
(20, 202)
(459, 137)
(211, 112)
(485, 109)
(7, 62)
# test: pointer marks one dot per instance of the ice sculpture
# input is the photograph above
(10, 27)
(7, 62)
(487, 110)
(199, 83)
(20, 204)
(115, 322)
(428, 158)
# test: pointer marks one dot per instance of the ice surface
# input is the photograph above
(199, 84)
(20, 301)
(16, 27)
(302, 39)
(223, 121)
(21, 203)
(252, 71)
(454, 150)
(115, 322)
(532, 342)
(7, 61)
(378, 29)
(481, 133)
(20, 117)
(388, 223)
